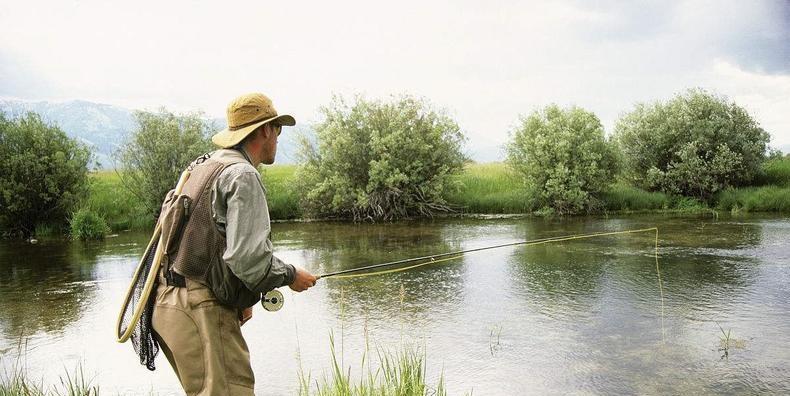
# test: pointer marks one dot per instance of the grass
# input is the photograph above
(17, 382)
(119, 208)
(281, 195)
(775, 171)
(754, 199)
(622, 197)
(490, 188)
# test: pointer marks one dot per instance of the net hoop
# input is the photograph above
(150, 280)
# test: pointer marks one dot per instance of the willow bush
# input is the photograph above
(695, 145)
(380, 160)
(44, 174)
(156, 152)
(563, 158)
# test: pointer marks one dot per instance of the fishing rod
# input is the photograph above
(273, 300)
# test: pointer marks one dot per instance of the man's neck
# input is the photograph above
(253, 159)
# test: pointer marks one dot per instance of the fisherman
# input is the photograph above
(219, 258)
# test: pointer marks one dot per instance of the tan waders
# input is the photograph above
(202, 340)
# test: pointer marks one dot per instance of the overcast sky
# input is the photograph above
(485, 62)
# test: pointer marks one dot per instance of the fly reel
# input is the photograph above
(272, 301)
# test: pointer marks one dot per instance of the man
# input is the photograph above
(218, 255)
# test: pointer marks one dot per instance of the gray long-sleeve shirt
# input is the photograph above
(241, 213)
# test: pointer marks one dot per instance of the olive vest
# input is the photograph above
(193, 244)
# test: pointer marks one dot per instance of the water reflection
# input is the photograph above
(45, 287)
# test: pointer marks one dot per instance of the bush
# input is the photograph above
(380, 160)
(87, 224)
(626, 197)
(156, 152)
(563, 157)
(44, 174)
(693, 145)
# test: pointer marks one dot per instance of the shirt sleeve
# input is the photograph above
(249, 251)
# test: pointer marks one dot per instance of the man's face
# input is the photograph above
(269, 146)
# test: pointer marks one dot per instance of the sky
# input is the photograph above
(484, 62)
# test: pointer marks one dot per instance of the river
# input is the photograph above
(586, 316)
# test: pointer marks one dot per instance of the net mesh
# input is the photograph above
(142, 336)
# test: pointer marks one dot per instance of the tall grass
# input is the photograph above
(755, 199)
(119, 208)
(622, 197)
(775, 171)
(491, 188)
(401, 373)
(282, 197)
(15, 381)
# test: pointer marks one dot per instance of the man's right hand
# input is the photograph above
(303, 280)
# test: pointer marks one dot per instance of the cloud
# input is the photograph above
(485, 63)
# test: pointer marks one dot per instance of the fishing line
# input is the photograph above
(438, 258)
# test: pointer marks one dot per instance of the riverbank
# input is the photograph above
(483, 189)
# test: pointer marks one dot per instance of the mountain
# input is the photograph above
(105, 127)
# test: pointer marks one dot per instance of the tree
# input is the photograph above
(44, 174)
(158, 150)
(564, 158)
(380, 160)
(695, 145)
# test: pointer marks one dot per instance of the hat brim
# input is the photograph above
(227, 138)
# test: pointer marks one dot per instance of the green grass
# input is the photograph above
(490, 188)
(401, 373)
(622, 197)
(281, 195)
(775, 172)
(119, 208)
(14, 381)
(755, 199)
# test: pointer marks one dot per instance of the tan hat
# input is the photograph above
(245, 114)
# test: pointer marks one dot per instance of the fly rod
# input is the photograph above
(435, 257)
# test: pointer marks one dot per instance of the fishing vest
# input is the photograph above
(193, 245)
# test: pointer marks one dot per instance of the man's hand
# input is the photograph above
(302, 280)
(245, 315)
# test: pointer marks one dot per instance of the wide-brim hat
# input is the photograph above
(245, 114)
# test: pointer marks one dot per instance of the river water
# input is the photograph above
(586, 316)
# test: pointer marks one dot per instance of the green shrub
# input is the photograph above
(380, 160)
(694, 145)
(44, 174)
(563, 156)
(156, 152)
(281, 194)
(87, 224)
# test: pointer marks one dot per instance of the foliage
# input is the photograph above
(695, 144)
(158, 150)
(87, 224)
(380, 160)
(44, 173)
(563, 157)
